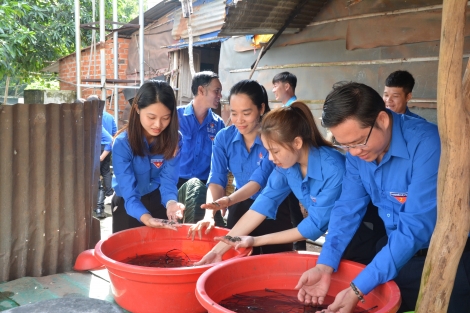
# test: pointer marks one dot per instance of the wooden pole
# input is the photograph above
(256, 63)
(453, 211)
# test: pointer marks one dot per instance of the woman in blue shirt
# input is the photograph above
(306, 164)
(146, 161)
(238, 148)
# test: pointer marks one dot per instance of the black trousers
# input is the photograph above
(105, 188)
(363, 246)
(296, 217)
(122, 220)
(268, 226)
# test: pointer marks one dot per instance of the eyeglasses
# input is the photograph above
(358, 146)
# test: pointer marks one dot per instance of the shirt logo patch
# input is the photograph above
(260, 155)
(211, 137)
(313, 199)
(399, 196)
(211, 128)
(157, 162)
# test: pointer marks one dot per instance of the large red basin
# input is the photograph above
(282, 271)
(150, 289)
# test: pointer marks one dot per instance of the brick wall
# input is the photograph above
(91, 68)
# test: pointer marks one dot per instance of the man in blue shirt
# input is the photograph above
(284, 88)
(199, 125)
(105, 188)
(398, 91)
(393, 160)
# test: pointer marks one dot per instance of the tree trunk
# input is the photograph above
(453, 211)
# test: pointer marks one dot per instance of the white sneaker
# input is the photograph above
(107, 200)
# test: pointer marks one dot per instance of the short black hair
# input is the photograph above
(202, 79)
(401, 79)
(286, 77)
(352, 100)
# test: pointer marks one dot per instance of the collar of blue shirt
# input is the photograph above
(398, 143)
(239, 137)
(314, 167)
(189, 110)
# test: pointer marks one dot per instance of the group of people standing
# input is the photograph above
(290, 183)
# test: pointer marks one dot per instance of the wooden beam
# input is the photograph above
(453, 211)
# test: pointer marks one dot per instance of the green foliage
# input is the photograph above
(44, 83)
(34, 33)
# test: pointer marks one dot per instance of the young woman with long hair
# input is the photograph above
(146, 161)
(238, 148)
(306, 164)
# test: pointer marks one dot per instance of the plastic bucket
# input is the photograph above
(282, 271)
(151, 289)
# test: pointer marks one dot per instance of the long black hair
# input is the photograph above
(151, 92)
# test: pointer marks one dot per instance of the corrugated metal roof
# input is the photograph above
(202, 42)
(152, 14)
(49, 171)
(249, 17)
(208, 17)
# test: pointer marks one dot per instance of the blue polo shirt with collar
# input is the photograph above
(229, 153)
(317, 192)
(106, 139)
(290, 101)
(197, 141)
(135, 176)
(409, 113)
(110, 125)
(403, 187)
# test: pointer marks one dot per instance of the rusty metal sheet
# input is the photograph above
(49, 171)
(248, 17)
(208, 17)
(152, 14)
(156, 59)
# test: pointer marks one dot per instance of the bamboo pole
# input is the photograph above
(453, 211)
(7, 85)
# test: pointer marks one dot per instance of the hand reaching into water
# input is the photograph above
(314, 284)
(209, 258)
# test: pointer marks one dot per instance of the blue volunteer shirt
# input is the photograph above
(106, 139)
(110, 125)
(403, 187)
(409, 113)
(317, 192)
(135, 176)
(229, 153)
(197, 141)
(290, 101)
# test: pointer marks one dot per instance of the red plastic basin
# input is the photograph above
(150, 289)
(282, 271)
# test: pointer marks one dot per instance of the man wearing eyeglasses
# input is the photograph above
(392, 160)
